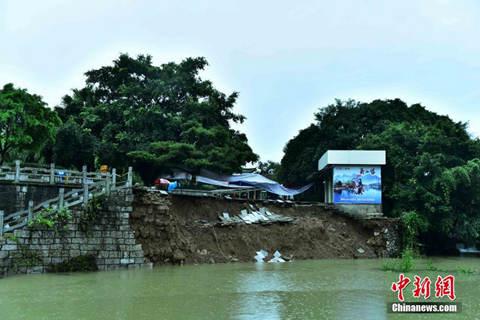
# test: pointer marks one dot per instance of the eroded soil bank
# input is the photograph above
(176, 229)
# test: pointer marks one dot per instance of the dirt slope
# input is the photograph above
(184, 230)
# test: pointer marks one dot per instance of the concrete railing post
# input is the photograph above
(130, 177)
(85, 185)
(1, 222)
(30, 211)
(107, 183)
(61, 198)
(17, 170)
(114, 178)
(52, 173)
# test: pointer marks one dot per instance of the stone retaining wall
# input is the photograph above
(110, 240)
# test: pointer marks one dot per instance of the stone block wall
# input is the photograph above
(110, 240)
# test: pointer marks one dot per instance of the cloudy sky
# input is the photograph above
(286, 58)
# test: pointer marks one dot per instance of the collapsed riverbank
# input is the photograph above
(180, 229)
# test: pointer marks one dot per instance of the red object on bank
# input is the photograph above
(161, 181)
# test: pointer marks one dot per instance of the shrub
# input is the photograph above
(49, 218)
(89, 214)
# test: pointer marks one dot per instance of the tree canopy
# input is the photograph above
(158, 117)
(26, 124)
(431, 161)
(73, 146)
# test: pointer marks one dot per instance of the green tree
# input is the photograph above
(428, 172)
(345, 124)
(459, 193)
(431, 163)
(74, 146)
(159, 117)
(269, 169)
(300, 156)
(26, 124)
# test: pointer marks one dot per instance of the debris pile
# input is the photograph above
(262, 254)
(253, 215)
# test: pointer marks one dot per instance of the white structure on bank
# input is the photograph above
(352, 179)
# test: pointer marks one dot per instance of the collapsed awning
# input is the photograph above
(240, 181)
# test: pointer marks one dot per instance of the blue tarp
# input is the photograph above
(172, 186)
(242, 181)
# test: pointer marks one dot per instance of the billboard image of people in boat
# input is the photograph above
(360, 185)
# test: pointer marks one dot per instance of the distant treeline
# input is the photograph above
(432, 176)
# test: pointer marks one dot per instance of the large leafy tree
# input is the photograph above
(345, 124)
(427, 173)
(26, 124)
(427, 161)
(159, 117)
(73, 146)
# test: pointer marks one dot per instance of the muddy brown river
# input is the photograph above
(319, 289)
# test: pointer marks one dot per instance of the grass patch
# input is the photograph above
(404, 264)
(407, 263)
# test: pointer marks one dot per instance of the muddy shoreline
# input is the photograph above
(180, 229)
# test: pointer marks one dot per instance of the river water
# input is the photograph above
(319, 289)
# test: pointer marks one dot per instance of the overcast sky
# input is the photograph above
(286, 58)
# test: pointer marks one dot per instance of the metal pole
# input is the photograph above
(130, 177)
(17, 170)
(52, 173)
(61, 198)
(85, 186)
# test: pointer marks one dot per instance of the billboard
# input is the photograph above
(359, 184)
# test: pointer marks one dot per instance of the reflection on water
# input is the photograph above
(260, 291)
(322, 289)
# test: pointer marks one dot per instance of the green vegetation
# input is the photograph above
(74, 146)
(26, 124)
(433, 169)
(85, 263)
(89, 214)
(157, 117)
(269, 169)
(10, 236)
(405, 264)
(412, 262)
(50, 219)
(431, 266)
(466, 270)
(413, 224)
(129, 113)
